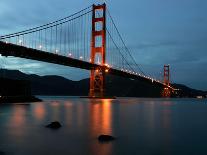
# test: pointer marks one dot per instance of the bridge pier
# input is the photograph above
(97, 83)
(166, 92)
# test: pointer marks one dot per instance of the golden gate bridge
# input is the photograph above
(88, 39)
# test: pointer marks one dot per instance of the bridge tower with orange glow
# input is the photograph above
(98, 49)
(166, 91)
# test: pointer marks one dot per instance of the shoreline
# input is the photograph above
(19, 99)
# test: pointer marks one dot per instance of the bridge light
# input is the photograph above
(106, 70)
(20, 41)
(70, 54)
(81, 57)
(107, 65)
(90, 60)
(97, 70)
(56, 51)
(40, 47)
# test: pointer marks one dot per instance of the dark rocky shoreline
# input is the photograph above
(18, 99)
(18, 83)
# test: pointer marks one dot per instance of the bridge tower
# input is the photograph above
(98, 48)
(166, 91)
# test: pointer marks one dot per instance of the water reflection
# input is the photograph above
(55, 110)
(17, 123)
(167, 126)
(80, 115)
(68, 107)
(143, 126)
(101, 123)
(18, 116)
(39, 111)
(101, 116)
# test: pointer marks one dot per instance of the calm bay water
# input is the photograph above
(142, 127)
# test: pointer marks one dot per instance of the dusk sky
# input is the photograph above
(158, 32)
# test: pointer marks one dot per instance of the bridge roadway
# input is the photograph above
(8, 49)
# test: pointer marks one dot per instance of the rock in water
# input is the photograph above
(54, 125)
(105, 138)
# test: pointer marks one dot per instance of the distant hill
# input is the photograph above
(189, 92)
(115, 86)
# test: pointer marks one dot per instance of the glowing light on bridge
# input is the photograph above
(56, 51)
(20, 41)
(107, 65)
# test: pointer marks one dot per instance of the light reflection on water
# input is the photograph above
(142, 126)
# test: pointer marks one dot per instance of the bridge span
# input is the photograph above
(82, 40)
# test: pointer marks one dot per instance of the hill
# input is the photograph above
(115, 86)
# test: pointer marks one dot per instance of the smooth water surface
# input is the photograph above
(142, 127)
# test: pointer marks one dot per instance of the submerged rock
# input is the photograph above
(54, 125)
(106, 138)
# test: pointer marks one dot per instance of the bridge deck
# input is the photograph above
(7, 49)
